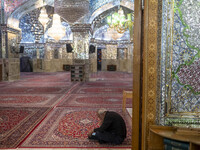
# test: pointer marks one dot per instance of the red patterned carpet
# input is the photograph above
(68, 127)
(36, 100)
(111, 76)
(17, 123)
(95, 100)
(100, 90)
(34, 90)
(44, 84)
(108, 84)
(47, 110)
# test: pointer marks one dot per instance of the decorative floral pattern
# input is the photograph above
(25, 90)
(84, 90)
(91, 100)
(74, 126)
(21, 99)
(7, 115)
(68, 127)
(189, 75)
(33, 100)
(17, 123)
(180, 63)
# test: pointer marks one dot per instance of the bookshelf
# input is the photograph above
(77, 73)
(66, 67)
(169, 138)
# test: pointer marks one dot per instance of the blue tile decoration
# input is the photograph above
(180, 100)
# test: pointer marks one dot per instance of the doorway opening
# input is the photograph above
(99, 59)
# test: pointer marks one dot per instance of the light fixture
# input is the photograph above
(57, 31)
(113, 34)
(118, 21)
(43, 18)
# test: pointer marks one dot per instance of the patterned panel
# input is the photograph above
(32, 29)
(185, 65)
(159, 113)
(13, 40)
(33, 50)
(180, 63)
(188, 75)
(186, 46)
(110, 52)
(166, 11)
(81, 44)
(150, 67)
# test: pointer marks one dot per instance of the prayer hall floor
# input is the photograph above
(46, 111)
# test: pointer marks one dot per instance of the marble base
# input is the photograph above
(10, 69)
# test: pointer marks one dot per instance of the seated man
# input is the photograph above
(112, 129)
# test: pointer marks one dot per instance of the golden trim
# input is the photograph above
(171, 48)
(145, 79)
(150, 64)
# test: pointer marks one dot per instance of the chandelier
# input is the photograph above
(43, 18)
(111, 33)
(118, 21)
(57, 31)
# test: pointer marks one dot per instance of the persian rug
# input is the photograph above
(95, 100)
(100, 90)
(68, 127)
(108, 84)
(43, 84)
(34, 90)
(17, 123)
(51, 77)
(33, 100)
(118, 76)
(41, 74)
(44, 77)
(4, 84)
(48, 79)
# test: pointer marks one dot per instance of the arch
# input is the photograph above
(124, 3)
(13, 19)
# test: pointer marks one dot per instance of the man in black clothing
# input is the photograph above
(112, 129)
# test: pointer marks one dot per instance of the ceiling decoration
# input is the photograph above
(129, 4)
(95, 4)
(11, 5)
(71, 10)
(119, 22)
(101, 20)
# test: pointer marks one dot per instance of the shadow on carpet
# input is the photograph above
(17, 123)
(68, 127)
